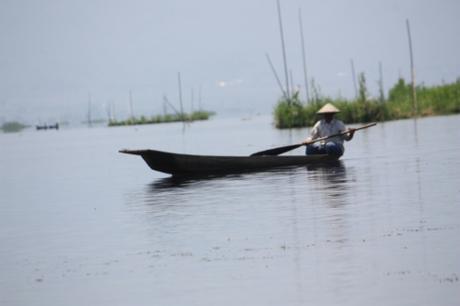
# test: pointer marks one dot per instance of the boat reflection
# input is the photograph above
(173, 182)
(332, 176)
(331, 187)
(332, 181)
(335, 166)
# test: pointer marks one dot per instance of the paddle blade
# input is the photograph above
(278, 150)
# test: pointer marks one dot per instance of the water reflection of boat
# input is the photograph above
(171, 182)
(332, 165)
(332, 179)
(196, 165)
(46, 127)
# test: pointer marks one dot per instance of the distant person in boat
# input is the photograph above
(327, 126)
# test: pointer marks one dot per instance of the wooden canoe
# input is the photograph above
(196, 165)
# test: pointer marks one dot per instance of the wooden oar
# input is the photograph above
(280, 150)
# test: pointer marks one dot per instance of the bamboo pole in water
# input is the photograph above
(131, 103)
(291, 78)
(283, 47)
(381, 90)
(353, 76)
(199, 97)
(412, 69)
(108, 110)
(166, 100)
(179, 81)
(192, 99)
(114, 114)
(304, 59)
(276, 75)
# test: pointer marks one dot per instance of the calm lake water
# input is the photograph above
(81, 224)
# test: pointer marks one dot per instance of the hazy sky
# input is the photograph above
(53, 53)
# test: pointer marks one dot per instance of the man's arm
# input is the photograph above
(349, 135)
(314, 133)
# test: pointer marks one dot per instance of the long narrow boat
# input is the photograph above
(196, 165)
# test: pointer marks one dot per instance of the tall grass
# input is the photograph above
(432, 100)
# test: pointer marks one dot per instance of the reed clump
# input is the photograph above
(432, 100)
(167, 118)
(12, 126)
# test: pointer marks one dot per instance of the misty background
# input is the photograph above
(54, 54)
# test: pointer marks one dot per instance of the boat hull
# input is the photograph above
(196, 165)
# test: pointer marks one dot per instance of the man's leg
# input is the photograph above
(334, 149)
(315, 148)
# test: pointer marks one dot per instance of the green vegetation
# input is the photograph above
(197, 115)
(431, 100)
(12, 126)
(95, 121)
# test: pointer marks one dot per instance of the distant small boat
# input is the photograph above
(197, 165)
(46, 127)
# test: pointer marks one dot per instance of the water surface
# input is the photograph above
(83, 224)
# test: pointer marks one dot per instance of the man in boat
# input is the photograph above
(328, 126)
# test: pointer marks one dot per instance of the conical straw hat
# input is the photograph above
(328, 108)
